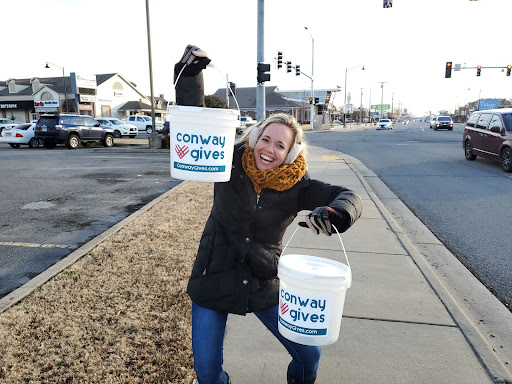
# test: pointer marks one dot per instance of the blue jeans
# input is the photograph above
(208, 328)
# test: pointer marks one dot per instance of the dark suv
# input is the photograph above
(71, 130)
(489, 134)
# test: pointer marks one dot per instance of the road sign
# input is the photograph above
(484, 104)
(381, 106)
(456, 67)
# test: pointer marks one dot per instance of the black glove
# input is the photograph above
(195, 60)
(190, 86)
(320, 219)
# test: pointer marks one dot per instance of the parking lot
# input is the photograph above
(55, 200)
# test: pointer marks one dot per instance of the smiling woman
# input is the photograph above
(273, 146)
(269, 185)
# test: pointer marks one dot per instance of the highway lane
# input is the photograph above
(465, 204)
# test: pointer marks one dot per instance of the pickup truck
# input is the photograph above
(144, 123)
(6, 123)
(247, 121)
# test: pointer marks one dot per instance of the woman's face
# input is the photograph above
(273, 146)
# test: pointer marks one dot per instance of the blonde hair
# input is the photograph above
(254, 134)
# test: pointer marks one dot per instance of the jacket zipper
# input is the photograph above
(257, 199)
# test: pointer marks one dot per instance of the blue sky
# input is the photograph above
(405, 46)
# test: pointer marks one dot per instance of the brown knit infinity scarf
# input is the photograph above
(280, 179)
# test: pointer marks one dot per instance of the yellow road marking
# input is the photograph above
(32, 245)
(330, 157)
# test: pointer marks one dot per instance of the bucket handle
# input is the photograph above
(227, 85)
(303, 224)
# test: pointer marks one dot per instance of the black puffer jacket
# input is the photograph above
(236, 266)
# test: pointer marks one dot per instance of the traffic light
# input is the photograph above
(297, 70)
(262, 73)
(388, 3)
(232, 86)
(316, 100)
(279, 59)
(288, 66)
(448, 71)
(509, 67)
(478, 70)
(310, 100)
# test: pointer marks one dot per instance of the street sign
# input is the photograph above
(484, 104)
(381, 106)
(456, 67)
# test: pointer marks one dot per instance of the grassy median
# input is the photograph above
(121, 313)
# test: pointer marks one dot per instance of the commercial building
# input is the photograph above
(292, 102)
(106, 95)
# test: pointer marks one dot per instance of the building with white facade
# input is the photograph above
(113, 96)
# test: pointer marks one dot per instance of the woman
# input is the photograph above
(236, 266)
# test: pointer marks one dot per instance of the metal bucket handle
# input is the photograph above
(303, 224)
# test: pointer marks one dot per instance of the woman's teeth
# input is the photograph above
(266, 158)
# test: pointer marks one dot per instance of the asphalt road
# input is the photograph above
(55, 200)
(465, 204)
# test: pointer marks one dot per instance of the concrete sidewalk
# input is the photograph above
(400, 324)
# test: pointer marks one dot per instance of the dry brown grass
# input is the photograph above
(121, 313)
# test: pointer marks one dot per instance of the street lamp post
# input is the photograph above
(312, 105)
(63, 78)
(345, 100)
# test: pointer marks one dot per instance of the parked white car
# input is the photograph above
(144, 123)
(385, 124)
(6, 123)
(20, 134)
(120, 127)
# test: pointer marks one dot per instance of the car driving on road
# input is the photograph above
(489, 134)
(442, 122)
(384, 124)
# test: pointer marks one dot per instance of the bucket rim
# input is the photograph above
(188, 108)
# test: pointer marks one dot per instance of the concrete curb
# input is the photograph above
(30, 286)
(496, 369)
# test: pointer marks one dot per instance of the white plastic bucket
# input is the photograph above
(202, 141)
(311, 298)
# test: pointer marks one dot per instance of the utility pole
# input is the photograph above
(227, 90)
(370, 107)
(260, 88)
(393, 104)
(312, 106)
(155, 141)
(382, 97)
(361, 108)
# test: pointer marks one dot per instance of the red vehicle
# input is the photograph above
(489, 134)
